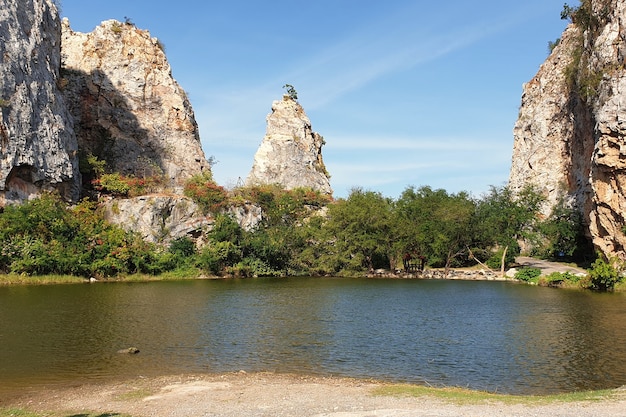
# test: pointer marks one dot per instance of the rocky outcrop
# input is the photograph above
(161, 218)
(551, 136)
(248, 215)
(158, 218)
(128, 108)
(291, 153)
(570, 134)
(38, 149)
(109, 93)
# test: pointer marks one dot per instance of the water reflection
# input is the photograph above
(484, 335)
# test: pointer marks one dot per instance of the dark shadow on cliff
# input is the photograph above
(580, 148)
(107, 127)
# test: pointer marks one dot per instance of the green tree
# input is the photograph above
(361, 226)
(563, 233)
(603, 275)
(434, 225)
(44, 236)
(504, 217)
(202, 189)
(291, 91)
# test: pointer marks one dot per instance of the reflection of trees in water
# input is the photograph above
(484, 335)
(573, 338)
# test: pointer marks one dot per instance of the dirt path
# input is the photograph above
(548, 267)
(274, 395)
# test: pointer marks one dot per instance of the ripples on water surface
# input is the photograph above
(483, 335)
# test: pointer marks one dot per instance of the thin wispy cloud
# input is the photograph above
(378, 50)
(417, 143)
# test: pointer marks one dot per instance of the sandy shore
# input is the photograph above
(264, 394)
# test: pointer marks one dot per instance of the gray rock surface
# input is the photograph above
(38, 148)
(158, 218)
(569, 138)
(291, 152)
(128, 108)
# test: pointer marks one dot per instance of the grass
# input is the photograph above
(18, 412)
(16, 279)
(462, 396)
(137, 394)
(176, 275)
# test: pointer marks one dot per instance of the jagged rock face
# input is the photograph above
(291, 153)
(38, 149)
(158, 218)
(127, 107)
(550, 150)
(572, 137)
(608, 163)
(248, 216)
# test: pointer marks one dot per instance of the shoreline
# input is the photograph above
(271, 394)
(454, 274)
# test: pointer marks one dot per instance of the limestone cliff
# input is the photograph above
(570, 136)
(158, 218)
(127, 107)
(161, 218)
(291, 153)
(64, 95)
(38, 149)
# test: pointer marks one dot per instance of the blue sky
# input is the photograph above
(406, 93)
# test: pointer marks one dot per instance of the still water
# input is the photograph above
(482, 335)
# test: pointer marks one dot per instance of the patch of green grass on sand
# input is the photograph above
(464, 396)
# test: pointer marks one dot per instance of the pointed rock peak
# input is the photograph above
(132, 113)
(291, 152)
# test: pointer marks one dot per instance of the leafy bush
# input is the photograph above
(603, 275)
(560, 279)
(216, 256)
(291, 91)
(528, 274)
(121, 185)
(562, 276)
(495, 260)
(250, 268)
(113, 183)
(203, 190)
(43, 236)
(183, 246)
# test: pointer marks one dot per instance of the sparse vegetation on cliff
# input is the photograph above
(44, 236)
(202, 189)
(291, 91)
(582, 76)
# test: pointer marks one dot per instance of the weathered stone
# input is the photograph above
(38, 149)
(551, 147)
(570, 134)
(130, 351)
(248, 215)
(128, 108)
(291, 153)
(158, 218)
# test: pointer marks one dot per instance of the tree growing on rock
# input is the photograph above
(291, 91)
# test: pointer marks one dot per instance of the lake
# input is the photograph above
(493, 336)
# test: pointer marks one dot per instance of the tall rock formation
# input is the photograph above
(127, 107)
(38, 149)
(570, 136)
(110, 93)
(291, 153)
